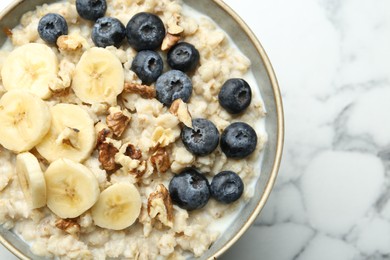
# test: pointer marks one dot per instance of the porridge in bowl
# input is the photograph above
(130, 129)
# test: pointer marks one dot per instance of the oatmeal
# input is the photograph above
(105, 132)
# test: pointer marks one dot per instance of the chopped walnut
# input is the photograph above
(133, 152)
(173, 32)
(143, 90)
(118, 120)
(107, 153)
(102, 135)
(180, 110)
(160, 160)
(173, 25)
(169, 41)
(139, 171)
(69, 43)
(64, 80)
(160, 206)
(68, 225)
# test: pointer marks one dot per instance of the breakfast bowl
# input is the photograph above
(146, 130)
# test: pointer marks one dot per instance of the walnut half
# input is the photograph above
(160, 206)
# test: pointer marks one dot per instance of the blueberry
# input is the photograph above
(91, 9)
(51, 26)
(173, 85)
(226, 187)
(145, 31)
(238, 140)
(189, 189)
(202, 138)
(148, 65)
(183, 56)
(235, 95)
(108, 31)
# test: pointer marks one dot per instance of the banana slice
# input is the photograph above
(24, 120)
(71, 188)
(32, 67)
(31, 179)
(72, 134)
(98, 77)
(118, 206)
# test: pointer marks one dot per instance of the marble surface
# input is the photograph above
(331, 199)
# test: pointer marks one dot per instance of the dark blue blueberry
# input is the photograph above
(202, 138)
(189, 189)
(238, 140)
(145, 31)
(226, 187)
(51, 26)
(108, 31)
(235, 95)
(173, 85)
(91, 9)
(183, 56)
(148, 65)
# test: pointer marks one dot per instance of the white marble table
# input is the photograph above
(331, 199)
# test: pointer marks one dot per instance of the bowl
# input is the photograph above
(265, 77)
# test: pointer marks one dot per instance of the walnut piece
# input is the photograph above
(117, 121)
(180, 109)
(133, 152)
(107, 153)
(102, 135)
(68, 225)
(64, 80)
(169, 41)
(160, 206)
(139, 171)
(160, 160)
(144, 91)
(69, 43)
(173, 25)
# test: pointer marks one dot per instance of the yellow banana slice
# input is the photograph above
(72, 134)
(31, 179)
(98, 77)
(25, 120)
(32, 67)
(71, 188)
(118, 207)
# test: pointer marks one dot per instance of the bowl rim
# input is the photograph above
(279, 134)
(280, 126)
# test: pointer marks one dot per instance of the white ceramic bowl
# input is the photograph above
(243, 37)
